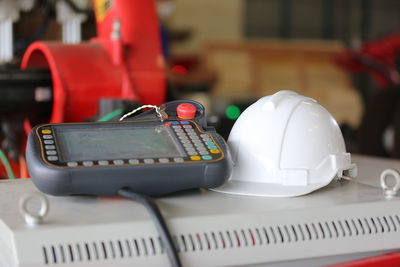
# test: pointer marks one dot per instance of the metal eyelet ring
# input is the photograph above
(31, 218)
(390, 191)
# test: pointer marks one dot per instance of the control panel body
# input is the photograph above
(145, 154)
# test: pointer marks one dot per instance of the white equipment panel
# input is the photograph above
(210, 229)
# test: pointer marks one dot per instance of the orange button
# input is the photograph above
(46, 131)
(215, 151)
(195, 158)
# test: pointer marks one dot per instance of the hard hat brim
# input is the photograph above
(266, 189)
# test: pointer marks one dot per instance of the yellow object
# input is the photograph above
(46, 131)
(215, 151)
(101, 8)
(195, 158)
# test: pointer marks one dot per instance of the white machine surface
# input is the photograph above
(346, 218)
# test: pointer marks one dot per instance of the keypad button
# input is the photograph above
(50, 147)
(148, 161)
(178, 159)
(52, 158)
(215, 151)
(163, 160)
(133, 161)
(103, 162)
(72, 164)
(174, 122)
(206, 157)
(176, 126)
(187, 126)
(209, 143)
(185, 141)
(51, 152)
(47, 136)
(181, 135)
(118, 161)
(46, 131)
(195, 158)
(184, 122)
(49, 142)
(87, 163)
(204, 153)
(188, 145)
(193, 153)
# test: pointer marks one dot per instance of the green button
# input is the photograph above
(209, 143)
(212, 147)
(207, 157)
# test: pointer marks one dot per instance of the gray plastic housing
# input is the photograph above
(149, 179)
(153, 180)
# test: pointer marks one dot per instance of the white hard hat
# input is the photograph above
(285, 145)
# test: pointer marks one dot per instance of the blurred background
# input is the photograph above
(82, 60)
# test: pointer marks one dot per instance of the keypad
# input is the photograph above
(197, 146)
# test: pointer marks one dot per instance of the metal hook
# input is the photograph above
(31, 218)
(390, 192)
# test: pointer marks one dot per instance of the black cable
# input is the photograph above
(159, 222)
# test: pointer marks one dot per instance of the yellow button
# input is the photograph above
(195, 158)
(46, 131)
(215, 151)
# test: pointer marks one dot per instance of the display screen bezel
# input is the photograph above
(46, 131)
(169, 138)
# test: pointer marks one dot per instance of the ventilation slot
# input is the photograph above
(265, 236)
(101, 250)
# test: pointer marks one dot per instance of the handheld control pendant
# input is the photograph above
(144, 154)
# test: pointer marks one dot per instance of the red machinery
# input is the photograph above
(377, 58)
(379, 131)
(123, 61)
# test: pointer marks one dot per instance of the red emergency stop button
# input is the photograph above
(186, 111)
